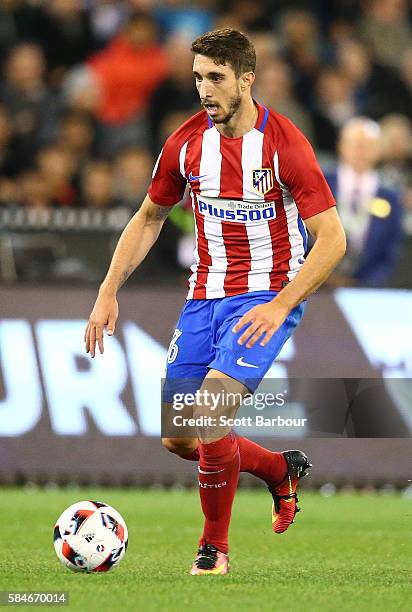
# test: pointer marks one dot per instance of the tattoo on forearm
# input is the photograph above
(125, 276)
(161, 212)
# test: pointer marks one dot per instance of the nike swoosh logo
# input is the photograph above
(243, 363)
(203, 472)
(195, 178)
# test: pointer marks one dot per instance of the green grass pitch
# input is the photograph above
(347, 552)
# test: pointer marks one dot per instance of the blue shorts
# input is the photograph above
(204, 340)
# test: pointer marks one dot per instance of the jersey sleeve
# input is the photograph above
(300, 172)
(168, 184)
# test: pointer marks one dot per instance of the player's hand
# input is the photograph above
(104, 313)
(262, 322)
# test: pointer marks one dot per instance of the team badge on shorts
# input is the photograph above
(262, 180)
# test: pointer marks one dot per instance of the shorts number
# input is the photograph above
(173, 348)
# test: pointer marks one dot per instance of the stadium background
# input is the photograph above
(88, 93)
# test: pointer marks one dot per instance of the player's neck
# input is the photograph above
(242, 122)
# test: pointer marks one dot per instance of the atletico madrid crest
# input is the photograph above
(262, 180)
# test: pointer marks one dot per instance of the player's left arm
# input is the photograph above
(299, 172)
(329, 248)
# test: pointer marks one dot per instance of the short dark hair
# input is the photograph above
(227, 46)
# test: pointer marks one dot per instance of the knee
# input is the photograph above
(170, 444)
(179, 446)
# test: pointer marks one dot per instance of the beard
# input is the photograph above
(234, 106)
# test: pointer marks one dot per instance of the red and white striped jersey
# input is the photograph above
(249, 197)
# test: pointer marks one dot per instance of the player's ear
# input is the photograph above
(246, 80)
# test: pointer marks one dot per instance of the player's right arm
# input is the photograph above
(136, 240)
(166, 189)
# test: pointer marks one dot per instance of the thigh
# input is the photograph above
(248, 365)
(190, 350)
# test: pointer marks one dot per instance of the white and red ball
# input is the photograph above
(90, 536)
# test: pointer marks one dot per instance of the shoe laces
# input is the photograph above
(207, 557)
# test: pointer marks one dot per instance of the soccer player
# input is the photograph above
(256, 186)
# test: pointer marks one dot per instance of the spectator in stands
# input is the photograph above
(80, 91)
(8, 35)
(267, 47)
(171, 122)
(176, 92)
(385, 30)
(8, 191)
(379, 90)
(97, 185)
(406, 69)
(334, 104)
(66, 35)
(129, 69)
(397, 153)
(274, 88)
(19, 22)
(339, 29)
(31, 106)
(127, 72)
(34, 190)
(329, 12)
(371, 213)
(56, 167)
(76, 136)
(132, 173)
(301, 48)
(228, 20)
(9, 163)
(250, 15)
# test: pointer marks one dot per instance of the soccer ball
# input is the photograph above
(90, 536)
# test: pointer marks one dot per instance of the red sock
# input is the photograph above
(261, 462)
(218, 476)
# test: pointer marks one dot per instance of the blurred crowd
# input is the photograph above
(89, 90)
